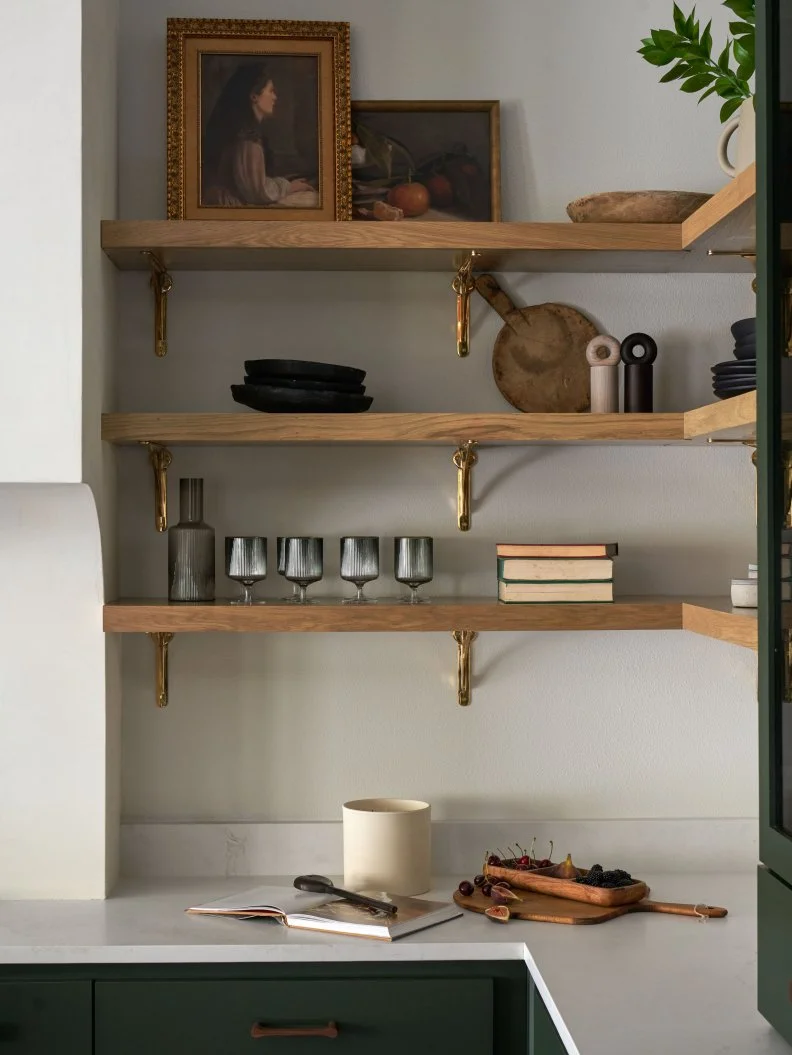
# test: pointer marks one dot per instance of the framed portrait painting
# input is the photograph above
(258, 120)
(426, 160)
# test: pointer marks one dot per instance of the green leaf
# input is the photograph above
(679, 20)
(664, 38)
(657, 57)
(680, 70)
(724, 86)
(729, 108)
(710, 91)
(746, 71)
(723, 58)
(695, 84)
(741, 54)
(706, 39)
(690, 24)
(741, 29)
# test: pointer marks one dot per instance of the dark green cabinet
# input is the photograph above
(46, 1018)
(468, 1008)
(774, 450)
(543, 1037)
(206, 1017)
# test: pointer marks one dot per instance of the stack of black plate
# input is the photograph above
(739, 374)
(292, 386)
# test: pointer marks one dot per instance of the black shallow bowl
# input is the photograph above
(743, 328)
(745, 351)
(734, 366)
(728, 393)
(273, 400)
(304, 383)
(299, 368)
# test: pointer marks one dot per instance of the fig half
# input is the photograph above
(499, 913)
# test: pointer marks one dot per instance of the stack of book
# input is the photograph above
(556, 574)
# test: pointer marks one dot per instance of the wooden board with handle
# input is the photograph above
(544, 908)
(539, 359)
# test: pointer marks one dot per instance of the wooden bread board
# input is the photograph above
(544, 908)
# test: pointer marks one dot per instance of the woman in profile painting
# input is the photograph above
(237, 162)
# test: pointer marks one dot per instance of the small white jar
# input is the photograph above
(387, 846)
(745, 593)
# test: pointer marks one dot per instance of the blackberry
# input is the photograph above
(595, 868)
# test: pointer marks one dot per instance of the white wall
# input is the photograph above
(40, 276)
(60, 748)
(562, 725)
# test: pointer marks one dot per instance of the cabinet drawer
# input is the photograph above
(385, 1016)
(775, 952)
(44, 1018)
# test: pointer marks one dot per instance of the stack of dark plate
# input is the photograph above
(292, 386)
(737, 375)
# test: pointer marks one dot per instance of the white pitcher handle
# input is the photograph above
(723, 144)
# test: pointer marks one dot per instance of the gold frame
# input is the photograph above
(491, 106)
(336, 185)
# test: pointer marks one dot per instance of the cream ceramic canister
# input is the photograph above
(387, 846)
(744, 123)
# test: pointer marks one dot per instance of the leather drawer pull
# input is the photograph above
(258, 1030)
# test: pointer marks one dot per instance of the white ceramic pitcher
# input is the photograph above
(745, 121)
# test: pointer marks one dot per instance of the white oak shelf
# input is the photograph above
(726, 222)
(712, 617)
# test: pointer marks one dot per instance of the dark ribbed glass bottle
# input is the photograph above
(191, 548)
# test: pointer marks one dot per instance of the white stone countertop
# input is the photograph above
(647, 983)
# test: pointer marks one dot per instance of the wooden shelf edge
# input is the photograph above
(453, 429)
(736, 193)
(126, 235)
(711, 617)
(733, 418)
(736, 626)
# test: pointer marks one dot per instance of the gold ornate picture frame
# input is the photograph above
(258, 120)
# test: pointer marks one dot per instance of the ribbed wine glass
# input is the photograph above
(359, 564)
(303, 563)
(246, 563)
(413, 563)
(281, 560)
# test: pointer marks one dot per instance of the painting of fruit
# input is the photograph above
(426, 161)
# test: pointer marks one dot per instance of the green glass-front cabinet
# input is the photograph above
(774, 444)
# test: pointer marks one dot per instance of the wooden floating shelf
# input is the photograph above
(732, 417)
(711, 616)
(725, 222)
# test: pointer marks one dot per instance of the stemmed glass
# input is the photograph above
(246, 563)
(412, 564)
(303, 563)
(359, 564)
(281, 560)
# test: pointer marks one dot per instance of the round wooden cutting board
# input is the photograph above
(539, 360)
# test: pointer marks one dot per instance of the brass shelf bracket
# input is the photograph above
(464, 640)
(161, 642)
(463, 285)
(160, 458)
(161, 283)
(465, 458)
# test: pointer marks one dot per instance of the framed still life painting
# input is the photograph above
(258, 120)
(426, 160)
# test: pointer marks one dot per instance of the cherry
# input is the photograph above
(544, 863)
(466, 888)
(479, 880)
(525, 861)
(486, 890)
(494, 860)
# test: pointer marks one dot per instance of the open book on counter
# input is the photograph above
(294, 908)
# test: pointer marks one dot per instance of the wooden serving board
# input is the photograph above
(539, 360)
(544, 908)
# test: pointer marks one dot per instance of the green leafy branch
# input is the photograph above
(691, 51)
